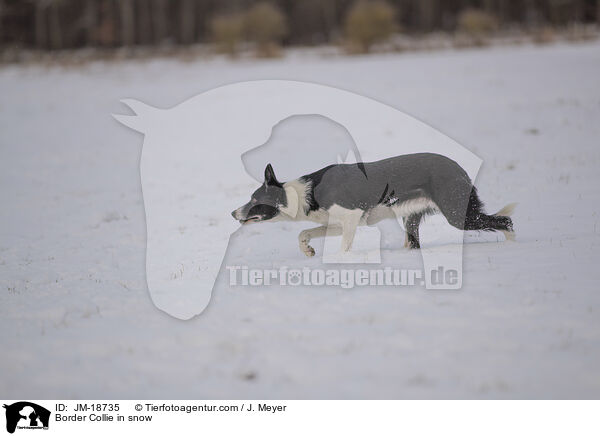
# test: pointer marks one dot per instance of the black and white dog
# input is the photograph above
(344, 196)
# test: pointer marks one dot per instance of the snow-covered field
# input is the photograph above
(76, 317)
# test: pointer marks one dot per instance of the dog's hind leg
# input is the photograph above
(412, 230)
(318, 232)
(464, 210)
(405, 232)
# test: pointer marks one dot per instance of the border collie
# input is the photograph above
(343, 196)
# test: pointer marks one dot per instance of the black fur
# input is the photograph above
(398, 179)
(475, 219)
(389, 183)
(265, 201)
(313, 180)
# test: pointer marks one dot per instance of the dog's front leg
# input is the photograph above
(349, 225)
(318, 232)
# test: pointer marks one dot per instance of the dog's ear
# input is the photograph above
(270, 179)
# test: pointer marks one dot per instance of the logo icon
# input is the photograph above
(26, 415)
(191, 171)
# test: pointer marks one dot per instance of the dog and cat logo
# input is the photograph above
(26, 415)
(191, 149)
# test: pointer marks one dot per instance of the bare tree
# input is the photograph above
(577, 11)
(55, 24)
(89, 22)
(1, 20)
(329, 17)
(187, 21)
(144, 21)
(56, 36)
(426, 11)
(160, 18)
(41, 31)
(127, 22)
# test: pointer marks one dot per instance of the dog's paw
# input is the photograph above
(308, 251)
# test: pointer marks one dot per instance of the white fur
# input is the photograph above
(507, 210)
(293, 202)
(238, 213)
(318, 232)
(399, 210)
(295, 192)
(340, 220)
(412, 207)
(348, 219)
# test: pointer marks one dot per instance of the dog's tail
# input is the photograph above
(477, 219)
(504, 215)
(507, 210)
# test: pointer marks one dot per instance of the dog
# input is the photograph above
(342, 197)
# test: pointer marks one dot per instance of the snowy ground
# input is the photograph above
(77, 321)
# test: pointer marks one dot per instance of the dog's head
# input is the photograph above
(265, 203)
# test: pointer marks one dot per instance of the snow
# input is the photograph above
(76, 317)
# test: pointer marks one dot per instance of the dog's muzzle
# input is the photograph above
(236, 214)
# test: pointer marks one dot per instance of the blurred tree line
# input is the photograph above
(58, 24)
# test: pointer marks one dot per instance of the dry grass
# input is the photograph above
(369, 23)
(227, 32)
(575, 34)
(544, 35)
(265, 25)
(476, 25)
